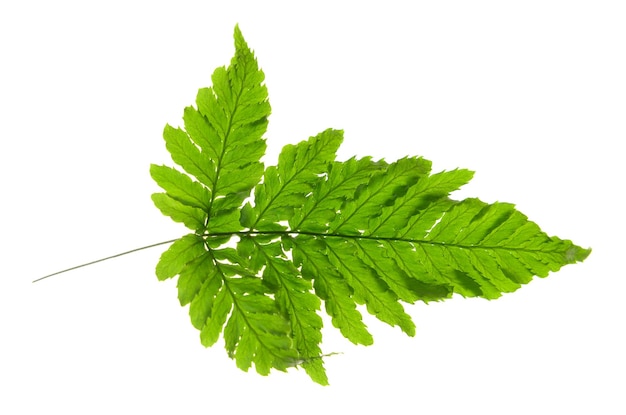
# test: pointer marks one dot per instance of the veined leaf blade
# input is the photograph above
(382, 190)
(296, 174)
(368, 287)
(331, 288)
(180, 187)
(191, 217)
(185, 153)
(176, 257)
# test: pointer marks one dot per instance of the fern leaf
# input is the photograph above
(181, 188)
(191, 217)
(271, 246)
(296, 301)
(485, 250)
(255, 329)
(343, 180)
(222, 145)
(286, 185)
(368, 287)
(311, 255)
(381, 190)
(377, 256)
(181, 252)
(418, 196)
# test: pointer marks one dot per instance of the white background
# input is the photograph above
(531, 95)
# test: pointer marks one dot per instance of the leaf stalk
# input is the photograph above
(105, 259)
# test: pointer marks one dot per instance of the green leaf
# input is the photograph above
(311, 254)
(185, 153)
(287, 185)
(180, 187)
(191, 217)
(381, 190)
(296, 301)
(343, 181)
(419, 196)
(230, 122)
(275, 246)
(368, 287)
(193, 276)
(181, 252)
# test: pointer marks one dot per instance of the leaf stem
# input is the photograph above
(370, 237)
(107, 258)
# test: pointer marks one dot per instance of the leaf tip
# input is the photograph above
(576, 254)
(240, 42)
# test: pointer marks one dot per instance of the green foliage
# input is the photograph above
(270, 245)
